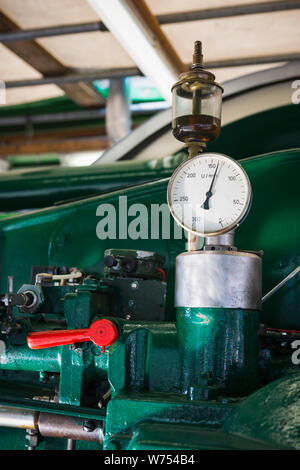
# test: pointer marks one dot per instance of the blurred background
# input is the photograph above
(76, 77)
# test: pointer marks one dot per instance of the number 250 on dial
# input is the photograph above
(209, 194)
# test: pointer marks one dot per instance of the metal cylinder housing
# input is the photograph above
(218, 279)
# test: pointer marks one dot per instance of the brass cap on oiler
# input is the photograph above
(197, 102)
(198, 70)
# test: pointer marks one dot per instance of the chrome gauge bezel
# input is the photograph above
(241, 217)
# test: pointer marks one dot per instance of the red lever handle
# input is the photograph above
(101, 332)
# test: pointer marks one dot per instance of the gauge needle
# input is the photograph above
(205, 204)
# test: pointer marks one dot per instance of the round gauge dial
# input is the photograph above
(209, 194)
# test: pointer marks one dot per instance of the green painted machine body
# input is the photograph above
(35, 188)
(193, 381)
(66, 235)
(219, 351)
(145, 372)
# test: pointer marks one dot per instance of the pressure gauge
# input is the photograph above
(209, 194)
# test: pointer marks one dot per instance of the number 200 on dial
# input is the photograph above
(209, 194)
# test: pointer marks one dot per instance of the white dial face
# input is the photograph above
(209, 194)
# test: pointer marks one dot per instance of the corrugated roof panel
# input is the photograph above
(14, 68)
(239, 36)
(88, 50)
(39, 14)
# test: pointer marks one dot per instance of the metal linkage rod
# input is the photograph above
(225, 12)
(52, 31)
(52, 425)
(90, 76)
(281, 284)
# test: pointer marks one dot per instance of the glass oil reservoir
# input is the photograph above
(197, 102)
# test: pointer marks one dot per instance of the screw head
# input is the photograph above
(88, 426)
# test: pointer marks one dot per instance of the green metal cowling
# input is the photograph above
(270, 414)
(24, 189)
(219, 351)
(23, 358)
